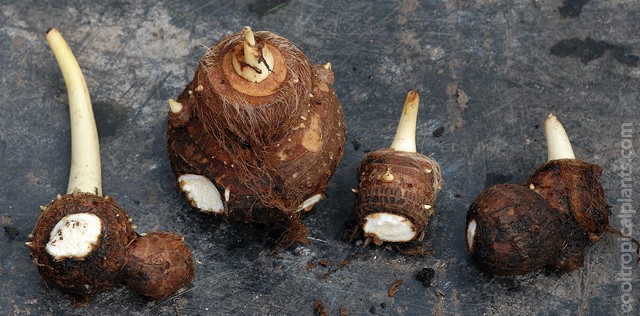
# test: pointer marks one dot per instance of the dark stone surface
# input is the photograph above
(137, 54)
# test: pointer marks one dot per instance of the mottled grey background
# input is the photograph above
(514, 60)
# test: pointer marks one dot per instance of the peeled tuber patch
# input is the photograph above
(74, 236)
(471, 234)
(389, 227)
(201, 193)
(310, 202)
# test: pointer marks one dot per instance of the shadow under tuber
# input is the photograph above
(397, 186)
(547, 223)
(83, 242)
(258, 132)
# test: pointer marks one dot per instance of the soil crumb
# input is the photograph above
(393, 290)
(425, 276)
(320, 309)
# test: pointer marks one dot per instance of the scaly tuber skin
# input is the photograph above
(505, 232)
(397, 186)
(82, 241)
(158, 265)
(571, 185)
(513, 230)
(83, 276)
(263, 125)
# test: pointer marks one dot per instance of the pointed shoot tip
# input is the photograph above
(558, 144)
(405, 138)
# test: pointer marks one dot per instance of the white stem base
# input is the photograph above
(85, 172)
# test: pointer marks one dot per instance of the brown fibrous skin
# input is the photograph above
(100, 269)
(416, 182)
(517, 231)
(271, 144)
(573, 187)
(159, 264)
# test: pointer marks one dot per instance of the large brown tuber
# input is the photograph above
(83, 242)
(547, 223)
(397, 186)
(257, 134)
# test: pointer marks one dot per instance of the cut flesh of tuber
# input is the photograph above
(389, 227)
(74, 236)
(471, 234)
(202, 193)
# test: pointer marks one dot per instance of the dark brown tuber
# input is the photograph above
(512, 230)
(397, 186)
(547, 223)
(158, 266)
(257, 134)
(83, 242)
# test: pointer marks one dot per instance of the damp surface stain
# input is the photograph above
(589, 49)
(571, 8)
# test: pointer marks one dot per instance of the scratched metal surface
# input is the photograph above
(515, 60)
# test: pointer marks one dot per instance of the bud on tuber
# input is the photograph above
(81, 241)
(263, 125)
(549, 222)
(397, 186)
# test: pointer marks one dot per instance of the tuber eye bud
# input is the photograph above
(397, 186)
(266, 129)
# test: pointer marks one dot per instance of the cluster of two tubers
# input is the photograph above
(262, 125)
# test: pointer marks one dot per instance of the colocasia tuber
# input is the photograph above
(83, 242)
(257, 134)
(546, 223)
(397, 186)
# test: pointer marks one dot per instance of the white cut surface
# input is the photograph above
(471, 234)
(309, 203)
(74, 236)
(389, 227)
(202, 193)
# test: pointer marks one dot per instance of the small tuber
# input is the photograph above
(397, 186)
(84, 243)
(546, 223)
(257, 134)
